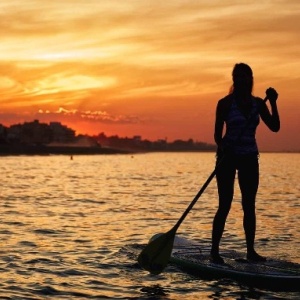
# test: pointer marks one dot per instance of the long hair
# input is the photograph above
(242, 68)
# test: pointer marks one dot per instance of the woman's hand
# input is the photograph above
(271, 95)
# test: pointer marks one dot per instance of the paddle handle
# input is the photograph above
(209, 179)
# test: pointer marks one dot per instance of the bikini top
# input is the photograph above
(236, 122)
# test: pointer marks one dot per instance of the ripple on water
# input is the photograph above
(27, 244)
(47, 231)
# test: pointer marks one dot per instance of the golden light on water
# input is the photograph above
(67, 225)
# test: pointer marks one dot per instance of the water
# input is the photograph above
(67, 226)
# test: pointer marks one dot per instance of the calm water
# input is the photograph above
(67, 226)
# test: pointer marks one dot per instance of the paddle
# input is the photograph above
(155, 256)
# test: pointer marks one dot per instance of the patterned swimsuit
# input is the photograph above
(237, 122)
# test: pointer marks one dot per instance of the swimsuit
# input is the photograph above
(237, 123)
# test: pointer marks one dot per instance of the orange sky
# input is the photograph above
(149, 68)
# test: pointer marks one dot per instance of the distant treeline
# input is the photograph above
(139, 144)
(41, 138)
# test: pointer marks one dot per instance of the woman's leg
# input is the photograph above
(248, 175)
(225, 181)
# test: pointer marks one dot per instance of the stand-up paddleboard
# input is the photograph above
(276, 274)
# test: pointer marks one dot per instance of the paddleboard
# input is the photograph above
(275, 274)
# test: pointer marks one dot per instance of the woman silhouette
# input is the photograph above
(238, 152)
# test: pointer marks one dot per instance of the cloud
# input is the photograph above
(7, 83)
(57, 83)
(88, 115)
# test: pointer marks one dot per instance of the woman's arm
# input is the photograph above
(271, 119)
(222, 111)
(219, 125)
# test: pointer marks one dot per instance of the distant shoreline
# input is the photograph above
(17, 150)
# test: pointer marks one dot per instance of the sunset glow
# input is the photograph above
(149, 68)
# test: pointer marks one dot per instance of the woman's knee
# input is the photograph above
(224, 209)
(248, 206)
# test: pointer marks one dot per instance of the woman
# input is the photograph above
(238, 152)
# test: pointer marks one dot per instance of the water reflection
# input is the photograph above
(64, 222)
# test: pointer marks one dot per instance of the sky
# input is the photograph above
(146, 67)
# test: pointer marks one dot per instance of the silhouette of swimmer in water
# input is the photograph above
(237, 149)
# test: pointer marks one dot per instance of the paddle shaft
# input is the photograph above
(209, 179)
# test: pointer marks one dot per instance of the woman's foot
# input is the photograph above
(253, 256)
(216, 258)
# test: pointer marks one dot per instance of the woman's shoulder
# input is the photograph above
(258, 100)
(227, 98)
(225, 102)
(260, 104)
(223, 107)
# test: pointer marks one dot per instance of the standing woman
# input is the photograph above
(238, 152)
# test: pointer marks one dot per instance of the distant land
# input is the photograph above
(35, 138)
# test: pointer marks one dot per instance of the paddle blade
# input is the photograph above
(155, 256)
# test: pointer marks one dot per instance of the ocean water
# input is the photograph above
(68, 227)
